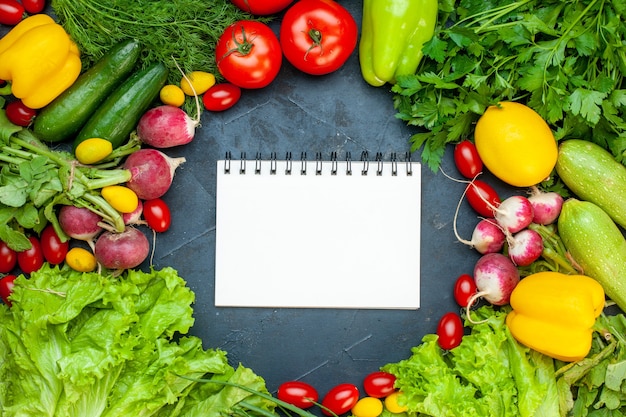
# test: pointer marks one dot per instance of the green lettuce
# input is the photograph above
(84, 344)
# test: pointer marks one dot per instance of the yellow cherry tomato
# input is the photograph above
(80, 260)
(391, 403)
(121, 198)
(93, 150)
(172, 95)
(200, 80)
(368, 407)
(516, 144)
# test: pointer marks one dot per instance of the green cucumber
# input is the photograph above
(597, 245)
(118, 116)
(62, 118)
(592, 173)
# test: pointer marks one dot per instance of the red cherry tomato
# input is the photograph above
(262, 7)
(6, 287)
(157, 214)
(464, 289)
(248, 54)
(318, 36)
(298, 393)
(379, 384)
(11, 12)
(450, 331)
(34, 6)
(54, 250)
(31, 259)
(467, 160)
(8, 258)
(482, 198)
(340, 399)
(20, 114)
(221, 96)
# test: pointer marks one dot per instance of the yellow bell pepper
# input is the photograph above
(39, 59)
(554, 314)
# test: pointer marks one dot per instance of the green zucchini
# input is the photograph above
(62, 118)
(597, 245)
(118, 116)
(592, 173)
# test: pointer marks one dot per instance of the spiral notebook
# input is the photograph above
(318, 233)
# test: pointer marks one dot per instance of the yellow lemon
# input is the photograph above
(80, 260)
(516, 144)
(93, 150)
(172, 95)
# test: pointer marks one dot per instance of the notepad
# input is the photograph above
(318, 233)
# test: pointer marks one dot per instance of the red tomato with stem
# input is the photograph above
(157, 214)
(34, 6)
(262, 7)
(54, 250)
(6, 287)
(318, 36)
(464, 289)
(340, 399)
(248, 54)
(482, 197)
(379, 384)
(450, 331)
(11, 12)
(31, 259)
(8, 258)
(221, 96)
(19, 113)
(298, 393)
(467, 160)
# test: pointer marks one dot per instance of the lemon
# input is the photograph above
(516, 144)
(172, 95)
(93, 150)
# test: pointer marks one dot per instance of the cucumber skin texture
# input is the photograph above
(62, 118)
(592, 173)
(597, 244)
(118, 116)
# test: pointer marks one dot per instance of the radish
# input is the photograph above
(546, 205)
(118, 251)
(134, 217)
(514, 213)
(525, 247)
(80, 223)
(166, 126)
(496, 276)
(152, 172)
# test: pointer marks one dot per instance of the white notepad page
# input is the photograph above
(323, 239)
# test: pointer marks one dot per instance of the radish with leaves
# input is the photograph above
(118, 251)
(487, 237)
(514, 213)
(525, 247)
(546, 205)
(152, 172)
(166, 126)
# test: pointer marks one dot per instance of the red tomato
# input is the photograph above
(379, 384)
(53, 249)
(34, 6)
(464, 289)
(11, 12)
(467, 160)
(8, 258)
(482, 198)
(262, 7)
(20, 114)
(6, 287)
(157, 214)
(298, 393)
(340, 399)
(221, 96)
(318, 36)
(248, 54)
(32, 259)
(450, 331)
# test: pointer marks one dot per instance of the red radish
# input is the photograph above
(514, 213)
(124, 250)
(80, 223)
(496, 276)
(487, 237)
(546, 206)
(135, 216)
(525, 247)
(165, 127)
(152, 172)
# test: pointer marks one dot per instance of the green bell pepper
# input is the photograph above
(392, 35)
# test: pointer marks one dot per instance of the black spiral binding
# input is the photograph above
(379, 161)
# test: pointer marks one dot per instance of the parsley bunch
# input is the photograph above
(566, 59)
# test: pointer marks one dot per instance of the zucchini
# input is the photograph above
(592, 173)
(62, 118)
(597, 245)
(118, 116)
